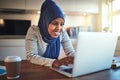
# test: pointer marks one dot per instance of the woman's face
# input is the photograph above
(55, 27)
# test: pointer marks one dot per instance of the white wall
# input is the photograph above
(89, 6)
(67, 5)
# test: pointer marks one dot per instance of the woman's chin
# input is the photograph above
(55, 36)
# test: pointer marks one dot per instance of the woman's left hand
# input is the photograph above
(63, 61)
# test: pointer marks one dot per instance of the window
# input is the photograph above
(116, 16)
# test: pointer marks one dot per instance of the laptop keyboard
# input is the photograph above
(66, 68)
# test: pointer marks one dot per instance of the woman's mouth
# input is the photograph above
(57, 33)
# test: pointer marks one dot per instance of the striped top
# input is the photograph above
(35, 46)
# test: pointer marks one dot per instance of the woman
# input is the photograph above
(43, 41)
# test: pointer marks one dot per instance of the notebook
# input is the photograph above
(95, 52)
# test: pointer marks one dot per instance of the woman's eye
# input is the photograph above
(54, 23)
(62, 24)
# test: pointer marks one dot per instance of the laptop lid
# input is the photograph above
(95, 51)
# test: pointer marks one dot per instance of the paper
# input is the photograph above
(2, 70)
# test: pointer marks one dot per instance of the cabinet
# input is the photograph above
(34, 4)
(10, 47)
(12, 4)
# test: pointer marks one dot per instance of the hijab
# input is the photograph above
(49, 12)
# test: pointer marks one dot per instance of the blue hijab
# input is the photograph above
(49, 12)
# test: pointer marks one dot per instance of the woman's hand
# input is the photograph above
(63, 61)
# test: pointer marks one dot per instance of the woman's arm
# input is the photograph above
(34, 48)
(67, 44)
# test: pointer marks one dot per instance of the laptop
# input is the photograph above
(95, 52)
